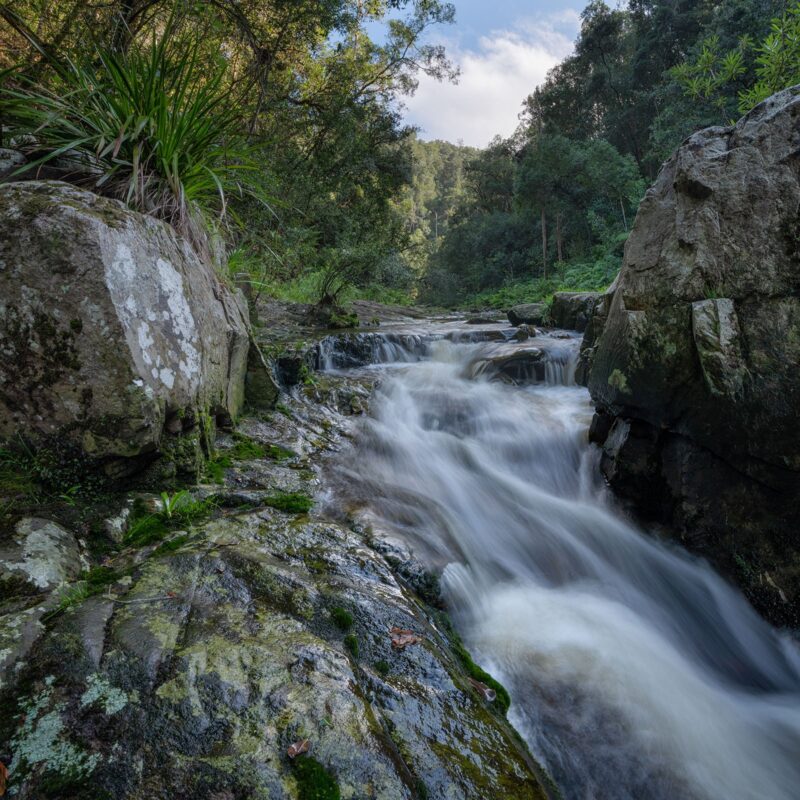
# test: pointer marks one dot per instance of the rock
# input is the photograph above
(513, 364)
(482, 319)
(10, 161)
(693, 353)
(111, 326)
(210, 662)
(573, 310)
(42, 554)
(528, 314)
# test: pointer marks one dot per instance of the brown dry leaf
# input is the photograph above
(402, 637)
(299, 747)
(3, 778)
(486, 692)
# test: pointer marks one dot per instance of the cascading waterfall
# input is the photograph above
(635, 671)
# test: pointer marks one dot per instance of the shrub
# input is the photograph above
(153, 126)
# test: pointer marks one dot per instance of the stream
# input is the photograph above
(635, 671)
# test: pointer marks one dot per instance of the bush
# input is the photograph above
(153, 126)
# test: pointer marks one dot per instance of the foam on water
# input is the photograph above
(635, 671)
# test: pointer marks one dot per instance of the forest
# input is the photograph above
(271, 133)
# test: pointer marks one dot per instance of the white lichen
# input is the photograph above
(99, 690)
(40, 740)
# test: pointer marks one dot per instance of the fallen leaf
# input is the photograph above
(3, 778)
(402, 637)
(299, 747)
(486, 692)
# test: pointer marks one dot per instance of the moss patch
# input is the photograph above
(290, 502)
(246, 449)
(351, 643)
(341, 618)
(314, 782)
(470, 667)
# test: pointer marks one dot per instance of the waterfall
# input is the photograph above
(635, 671)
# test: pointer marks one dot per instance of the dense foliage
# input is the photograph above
(272, 123)
(551, 206)
(274, 127)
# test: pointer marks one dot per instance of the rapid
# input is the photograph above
(635, 671)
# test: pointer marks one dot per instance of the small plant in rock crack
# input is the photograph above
(179, 508)
(171, 505)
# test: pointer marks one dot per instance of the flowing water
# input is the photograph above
(635, 671)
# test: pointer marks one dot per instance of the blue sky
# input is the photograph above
(504, 49)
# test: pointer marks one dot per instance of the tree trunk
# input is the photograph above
(624, 217)
(544, 243)
(558, 237)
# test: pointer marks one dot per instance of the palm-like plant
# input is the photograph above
(154, 127)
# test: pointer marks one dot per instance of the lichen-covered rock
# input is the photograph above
(695, 350)
(114, 335)
(40, 553)
(573, 310)
(10, 162)
(193, 677)
(198, 662)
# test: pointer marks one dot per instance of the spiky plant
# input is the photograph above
(153, 126)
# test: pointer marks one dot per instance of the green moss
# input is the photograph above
(617, 380)
(180, 509)
(314, 782)
(341, 618)
(382, 667)
(340, 318)
(171, 545)
(145, 530)
(246, 449)
(290, 502)
(93, 582)
(470, 667)
(351, 643)
(215, 469)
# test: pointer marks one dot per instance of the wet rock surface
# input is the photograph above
(529, 314)
(692, 355)
(209, 652)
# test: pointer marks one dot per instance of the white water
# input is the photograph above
(635, 671)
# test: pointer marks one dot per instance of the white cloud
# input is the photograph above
(495, 78)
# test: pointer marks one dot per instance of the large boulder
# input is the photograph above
(573, 310)
(694, 371)
(115, 338)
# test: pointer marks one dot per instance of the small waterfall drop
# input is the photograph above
(636, 672)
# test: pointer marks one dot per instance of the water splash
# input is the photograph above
(636, 671)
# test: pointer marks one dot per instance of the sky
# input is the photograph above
(504, 49)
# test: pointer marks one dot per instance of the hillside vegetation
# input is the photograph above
(273, 131)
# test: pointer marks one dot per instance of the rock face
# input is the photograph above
(203, 660)
(114, 336)
(573, 310)
(692, 357)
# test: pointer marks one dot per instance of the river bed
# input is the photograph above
(635, 671)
